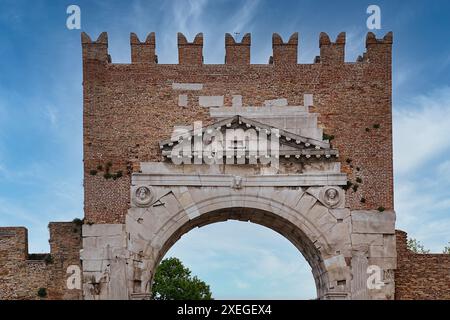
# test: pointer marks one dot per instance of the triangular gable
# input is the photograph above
(291, 144)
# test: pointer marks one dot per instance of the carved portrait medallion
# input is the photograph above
(331, 197)
(143, 196)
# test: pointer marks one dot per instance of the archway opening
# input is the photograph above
(243, 260)
(287, 228)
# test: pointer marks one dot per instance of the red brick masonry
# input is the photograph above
(421, 276)
(129, 108)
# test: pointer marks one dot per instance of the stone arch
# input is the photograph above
(293, 213)
(282, 226)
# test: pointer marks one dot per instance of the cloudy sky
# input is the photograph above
(41, 117)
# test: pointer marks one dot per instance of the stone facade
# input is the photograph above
(330, 192)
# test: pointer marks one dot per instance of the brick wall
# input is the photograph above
(129, 108)
(21, 274)
(420, 276)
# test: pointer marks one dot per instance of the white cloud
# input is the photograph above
(421, 130)
(187, 13)
(51, 114)
(422, 171)
(243, 16)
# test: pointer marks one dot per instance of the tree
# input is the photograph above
(416, 247)
(447, 249)
(173, 281)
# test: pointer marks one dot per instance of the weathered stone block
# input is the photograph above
(367, 239)
(183, 100)
(373, 222)
(236, 101)
(337, 268)
(340, 213)
(187, 86)
(211, 101)
(97, 230)
(276, 102)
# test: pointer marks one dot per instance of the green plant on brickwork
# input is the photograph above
(107, 171)
(355, 187)
(348, 160)
(42, 292)
(416, 247)
(363, 200)
(117, 175)
(93, 172)
(348, 185)
(367, 130)
(376, 126)
(328, 137)
(446, 249)
(107, 175)
(359, 180)
(78, 222)
(381, 209)
(48, 259)
(358, 169)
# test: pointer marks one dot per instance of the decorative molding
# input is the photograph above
(221, 180)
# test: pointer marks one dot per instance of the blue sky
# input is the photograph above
(41, 116)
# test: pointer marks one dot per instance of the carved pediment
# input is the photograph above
(241, 137)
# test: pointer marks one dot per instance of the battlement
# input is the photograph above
(238, 53)
(95, 50)
(284, 53)
(332, 52)
(190, 52)
(14, 240)
(23, 274)
(143, 52)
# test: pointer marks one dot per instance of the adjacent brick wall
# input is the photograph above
(21, 278)
(420, 276)
(129, 108)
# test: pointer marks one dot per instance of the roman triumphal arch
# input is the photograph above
(247, 165)
(304, 149)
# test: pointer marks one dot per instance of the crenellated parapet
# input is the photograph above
(95, 50)
(284, 53)
(379, 50)
(238, 53)
(332, 52)
(190, 53)
(23, 274)
(143, 52)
